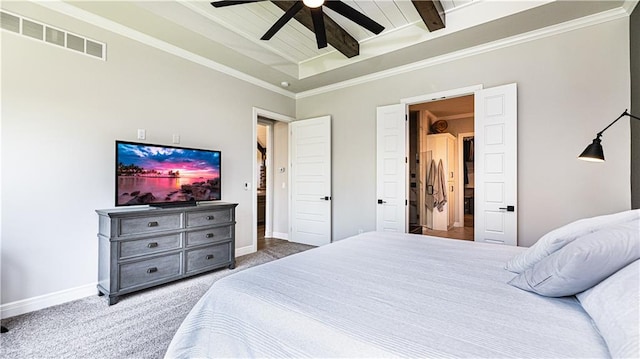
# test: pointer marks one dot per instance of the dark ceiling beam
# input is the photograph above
(431, 12)
(336, 36)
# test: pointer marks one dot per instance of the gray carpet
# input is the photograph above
(140, 325)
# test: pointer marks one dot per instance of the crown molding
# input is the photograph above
(93, 19)
(583, 22)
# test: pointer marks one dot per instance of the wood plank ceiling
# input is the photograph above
(296, 40)
(431, 12)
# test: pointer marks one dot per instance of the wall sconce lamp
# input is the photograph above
(594, 152)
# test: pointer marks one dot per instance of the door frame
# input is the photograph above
(268, 163)
(436, 96)
(259, 112)
(461, 188)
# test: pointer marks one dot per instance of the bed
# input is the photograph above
(389, 295)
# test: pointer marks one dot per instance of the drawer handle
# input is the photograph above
(210, 218)
(152, 270)
(152, 224)
(209, 256)
(152, 245)
(209, 235)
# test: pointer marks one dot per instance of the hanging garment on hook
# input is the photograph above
(440, 188)
(431, 178)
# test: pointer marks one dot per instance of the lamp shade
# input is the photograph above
(593, 152)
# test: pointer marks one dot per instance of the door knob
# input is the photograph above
(381, 201)
(325, 198)
(508, 208)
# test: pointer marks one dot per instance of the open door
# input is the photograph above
(496, 165)
(391, 169)
(310, 145)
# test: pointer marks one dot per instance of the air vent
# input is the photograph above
(75, 42)
(9, 22)
(51, 35)
(32, 29)
(95, 48)
(55, 37)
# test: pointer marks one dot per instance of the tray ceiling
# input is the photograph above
(230, 36)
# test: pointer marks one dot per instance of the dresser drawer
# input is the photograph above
(205, 218)
(208, 236)
(150, 270)
(149, 224)
(149, 245)
(212, 256)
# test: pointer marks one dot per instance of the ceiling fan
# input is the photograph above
(315, 7)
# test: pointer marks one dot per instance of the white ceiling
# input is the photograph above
(230, 36)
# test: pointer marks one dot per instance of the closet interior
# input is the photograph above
(441, 162)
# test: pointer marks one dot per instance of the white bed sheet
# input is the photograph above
(385, 295)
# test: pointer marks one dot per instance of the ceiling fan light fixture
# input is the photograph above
(313, 3)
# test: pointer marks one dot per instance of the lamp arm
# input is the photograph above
(625, 113)
(632, 116)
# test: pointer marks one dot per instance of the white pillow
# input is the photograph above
(583, 263)
(560, 237)
(614, 306)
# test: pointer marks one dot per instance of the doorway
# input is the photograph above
(495, 153)
(264, 146)
(441, 158)
(272, 184)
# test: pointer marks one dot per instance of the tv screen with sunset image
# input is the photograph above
(157, 174)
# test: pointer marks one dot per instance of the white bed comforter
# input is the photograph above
(385, 295)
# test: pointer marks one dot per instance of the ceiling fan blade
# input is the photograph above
(293, 10)
(354, 15)
(318, 26)
(223, 3)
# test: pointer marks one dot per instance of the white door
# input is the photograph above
(391, 168)
(311, 181)
(495, 147)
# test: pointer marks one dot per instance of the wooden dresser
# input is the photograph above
(144, 247)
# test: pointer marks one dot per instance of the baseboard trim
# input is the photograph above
(244, 250)
(280, 235)
(47, 300)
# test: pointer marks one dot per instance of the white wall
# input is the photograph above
(62, 112)
(570, 86)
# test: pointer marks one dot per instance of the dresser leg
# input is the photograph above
(3, 329)
(113, 299)
(232, 265)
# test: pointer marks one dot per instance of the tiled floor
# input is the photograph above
(463, 233)
(266, 242)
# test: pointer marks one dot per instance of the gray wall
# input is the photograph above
(62, 112)
(634, 43)
(569, 87)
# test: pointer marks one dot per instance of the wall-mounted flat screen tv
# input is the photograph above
(165, 176)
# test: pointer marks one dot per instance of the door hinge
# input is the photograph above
(406, 160)
(406, 202)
